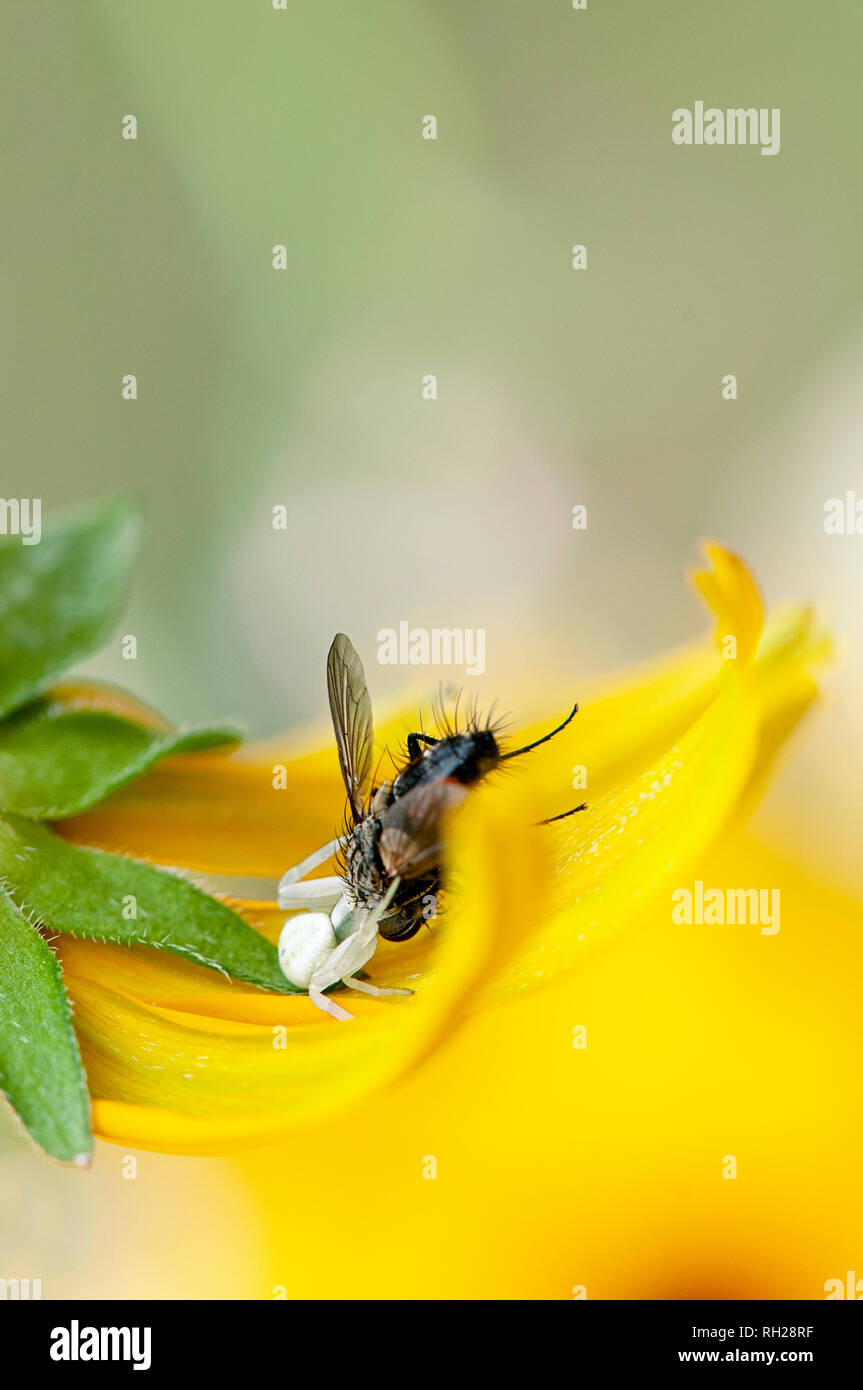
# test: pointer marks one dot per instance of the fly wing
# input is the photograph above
(411, 837)
(351, 709)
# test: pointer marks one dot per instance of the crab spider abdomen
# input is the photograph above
(304, 944)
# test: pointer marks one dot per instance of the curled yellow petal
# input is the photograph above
(146, 1062)
(636, 839)
(732, 594)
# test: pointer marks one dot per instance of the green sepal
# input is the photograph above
(61, 598)
(106, 897)
(57, 762)
(40, 1066)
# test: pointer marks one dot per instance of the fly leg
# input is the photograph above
(414, 741)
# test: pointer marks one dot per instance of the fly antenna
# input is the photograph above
(530, 746)
(549, 820)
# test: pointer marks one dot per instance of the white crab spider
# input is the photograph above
(318, 949)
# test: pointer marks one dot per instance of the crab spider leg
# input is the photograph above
(349, 956)
(339, 916)
(366, 988)
(317, 893)
(313, 861)
(329, 1006)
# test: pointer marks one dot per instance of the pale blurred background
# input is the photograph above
(408, 257)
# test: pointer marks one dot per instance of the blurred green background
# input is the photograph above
(408, 257)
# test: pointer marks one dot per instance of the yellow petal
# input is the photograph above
(219, 815)
(645, 834)
(226, 1081)
(700, 1041)
(731, 593)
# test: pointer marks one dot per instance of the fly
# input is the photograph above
(392, 849)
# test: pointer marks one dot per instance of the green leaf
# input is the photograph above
(57, 762)
(40, 1067)
(60, 599)
(84, 892)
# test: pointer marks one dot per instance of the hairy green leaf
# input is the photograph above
(57, 762)
(40, 1068)
(105, 897)
(60, 598)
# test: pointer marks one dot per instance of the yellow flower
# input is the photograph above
(179, 1059)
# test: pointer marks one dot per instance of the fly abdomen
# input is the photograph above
(413, 904)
